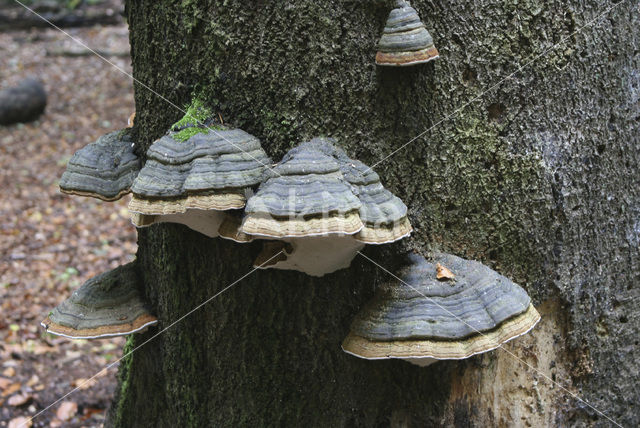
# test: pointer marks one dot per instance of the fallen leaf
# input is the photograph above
(89, 412)
(55, 423)
(4, 383)
(41, 233)
(84, 383)
(13, 349)
(40, 350)
(67, 410)
(19, 400)
(20, 422)
(11, 389)
(33, 380)
(442, 273)
(9, 372)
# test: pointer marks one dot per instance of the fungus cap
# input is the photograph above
(405, 40)
(321, 191)
(423, 319)
(104, 169)
(106, 305)
(325, 206)
(304, 195)
(208, 171)
(384, 215)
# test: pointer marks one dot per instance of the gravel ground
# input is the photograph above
(51, 243)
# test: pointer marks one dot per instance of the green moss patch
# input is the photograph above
(193, 122)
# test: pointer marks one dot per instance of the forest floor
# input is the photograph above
(51, 243)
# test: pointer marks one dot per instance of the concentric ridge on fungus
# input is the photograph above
(192, 181)
(405, 40)
(384, 215)
(304, 195)
(429, 319)
(321, 191)
(326, 206)
(104, 169)
(207, 171)
(106, 305)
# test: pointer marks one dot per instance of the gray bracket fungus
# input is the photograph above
(326, 206)
(207, 163)
(383, 214)
(189, 181)
(304, 195)
(431, 319)
(405, 40)
(104, 169)
(106, 305)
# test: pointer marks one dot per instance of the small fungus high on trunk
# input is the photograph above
(405, 40)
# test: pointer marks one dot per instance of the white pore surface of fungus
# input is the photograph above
(319, 255)
(206, 222)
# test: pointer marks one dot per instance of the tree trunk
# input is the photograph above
(538, 179)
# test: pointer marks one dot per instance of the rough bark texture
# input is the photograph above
(538, 178)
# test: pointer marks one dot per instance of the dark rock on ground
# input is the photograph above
(22, 103)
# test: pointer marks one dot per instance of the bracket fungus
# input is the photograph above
(383, 215)
(405, 40)
(106, 305)
(104, 169)
(325, 207)
(193, 181)
(422, 319)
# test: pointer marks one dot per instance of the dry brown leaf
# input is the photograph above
(42, 231)
(67, 410)
(33, 380)
(9, 372)
(4, 383)
(19, 400)
(13, 348)
(11, 389)
(442, 273)
(89, 412)
(83, 384)
(20, 422)
(42, 349)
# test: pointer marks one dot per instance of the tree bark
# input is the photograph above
(538, 178)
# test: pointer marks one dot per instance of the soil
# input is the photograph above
(51, 243)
